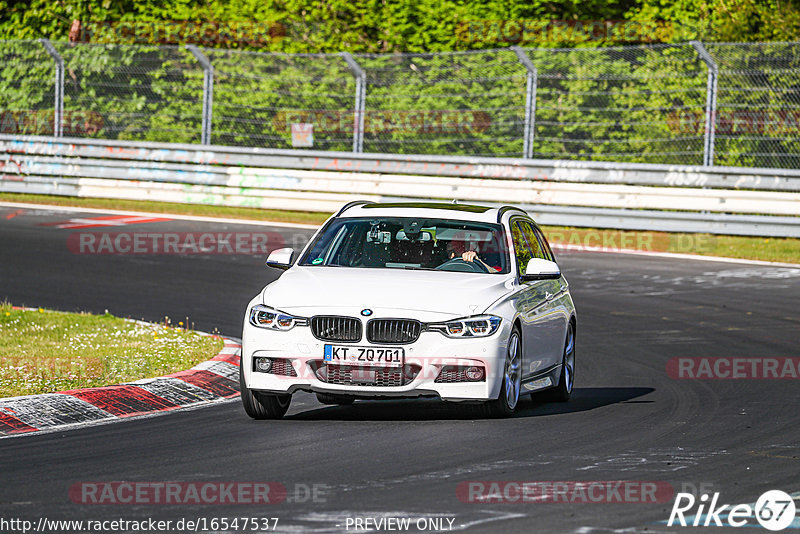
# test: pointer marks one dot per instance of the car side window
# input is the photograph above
(545, 245)
(521, 249)
(533, 242)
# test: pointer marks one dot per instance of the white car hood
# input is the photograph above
(308, 290)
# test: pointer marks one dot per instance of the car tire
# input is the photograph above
(563, 391)
(262, 405)
(327, 398)
(508, 400)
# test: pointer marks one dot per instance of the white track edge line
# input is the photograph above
(198, 218)
(672, 255)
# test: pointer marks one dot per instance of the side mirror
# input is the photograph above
(280, 258)
(539, 269)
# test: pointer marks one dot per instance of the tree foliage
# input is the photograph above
(442, 95)
(415, 25)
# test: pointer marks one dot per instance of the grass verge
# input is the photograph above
(785, 250)
(43, 351)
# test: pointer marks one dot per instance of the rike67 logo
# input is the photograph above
(775, 510)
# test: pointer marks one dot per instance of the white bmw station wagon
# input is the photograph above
(461, 302)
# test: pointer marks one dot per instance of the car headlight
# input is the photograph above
(266, 317)
(477, 326)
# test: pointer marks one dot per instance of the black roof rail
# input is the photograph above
(351, 204)
(502, 211)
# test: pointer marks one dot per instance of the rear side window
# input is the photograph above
(536, 248)
(522, 251)
(545, 246)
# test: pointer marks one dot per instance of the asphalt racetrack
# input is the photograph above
(628, 419)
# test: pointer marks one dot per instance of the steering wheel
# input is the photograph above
(459, 265)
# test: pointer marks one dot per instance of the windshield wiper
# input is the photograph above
(414, 268)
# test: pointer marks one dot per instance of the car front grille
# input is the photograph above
(396, 331)
(348, 375)
(351, 375)
(336, 328)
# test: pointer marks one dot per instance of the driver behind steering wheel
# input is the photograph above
(456, 248)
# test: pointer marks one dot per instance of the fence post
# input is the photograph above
(530, 101)
(208, 92)
(361, 93)
(711, 103)
(58, 115)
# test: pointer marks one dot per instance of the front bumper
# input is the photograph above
(424, 360)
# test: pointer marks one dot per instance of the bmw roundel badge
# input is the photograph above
(366, 312)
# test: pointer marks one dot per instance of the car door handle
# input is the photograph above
(548, 296)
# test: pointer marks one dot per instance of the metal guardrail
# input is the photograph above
(723, 200)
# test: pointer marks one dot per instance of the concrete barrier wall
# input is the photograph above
(725, 200)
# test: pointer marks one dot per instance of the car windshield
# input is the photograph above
(410, 243)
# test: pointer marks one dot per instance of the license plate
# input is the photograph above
(365, 356)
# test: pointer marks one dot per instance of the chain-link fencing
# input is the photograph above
(706, 104)
(257, 98)
(620, 104)
(757, 104)
(151, 93)
(470, 103)
(27, 88)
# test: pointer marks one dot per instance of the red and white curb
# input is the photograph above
(215, 380)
